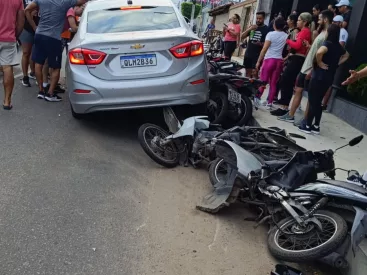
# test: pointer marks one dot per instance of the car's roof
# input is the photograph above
(108, 4)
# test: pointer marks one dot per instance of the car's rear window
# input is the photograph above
(144, 19)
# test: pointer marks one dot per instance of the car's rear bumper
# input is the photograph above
(143, 93)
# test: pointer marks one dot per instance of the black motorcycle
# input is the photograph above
(289, 196)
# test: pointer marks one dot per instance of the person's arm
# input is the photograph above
(28, 13)
(355, 76)
(247, 32)
(20, 20)
(343, 58)
(297, 45)
(319, 55)
(72, 24)
(345, 24)
(342, 43)
(262, 53)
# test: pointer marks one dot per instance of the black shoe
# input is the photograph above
(25, 81)
(315, 129)
(59, 89)
(32, 75)
(52, 98)
(304, 128)
(41, 95)
(324, 108)
(279, 112)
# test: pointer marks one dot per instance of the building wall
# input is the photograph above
(219, 20)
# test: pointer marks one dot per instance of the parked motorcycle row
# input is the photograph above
(230, 93)
(266, 170)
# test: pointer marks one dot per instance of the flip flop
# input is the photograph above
(8, 108)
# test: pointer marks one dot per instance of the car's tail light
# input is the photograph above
(189, 49)
(80, 56)
(196, 82)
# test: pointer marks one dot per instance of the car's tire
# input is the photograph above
(336, 239)
(76, 115)
(220, 115)
(148, 150)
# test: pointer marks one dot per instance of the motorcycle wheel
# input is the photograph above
(307, 244)
(217, 107)
(243, 112)
(167, 157)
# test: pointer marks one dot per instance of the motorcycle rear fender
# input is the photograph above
(190, 125)
(246, 162)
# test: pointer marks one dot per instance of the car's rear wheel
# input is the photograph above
(76, 115)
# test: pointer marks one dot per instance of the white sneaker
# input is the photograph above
(264, 102)
(52, 98)
(257, 102)
(269, 106)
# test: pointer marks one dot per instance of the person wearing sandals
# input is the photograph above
(11, 25)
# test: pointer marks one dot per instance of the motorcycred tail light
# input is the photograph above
(188, 49)
(79, 56)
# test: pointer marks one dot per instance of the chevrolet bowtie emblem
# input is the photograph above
(137, 46)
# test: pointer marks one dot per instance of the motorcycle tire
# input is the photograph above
(223, 112)
(148, 150)
(245, 119)
(336, 239)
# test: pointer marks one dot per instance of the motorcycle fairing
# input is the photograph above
(190, 125)
(332, 191)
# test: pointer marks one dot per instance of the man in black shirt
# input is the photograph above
(344, 9)
(256, 34)
(27, 39)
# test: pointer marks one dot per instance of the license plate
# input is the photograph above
(143, 60)
(234, 96)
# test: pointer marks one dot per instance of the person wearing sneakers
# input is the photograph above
(27, 40)
(11, 25)
(47, 41)
(272, 55)
(325, 19)
(296, 59)
(328, 57)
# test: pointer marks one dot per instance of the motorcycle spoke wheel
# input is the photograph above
(291, 238)
(168, 153)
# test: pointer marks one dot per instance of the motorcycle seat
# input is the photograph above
(225, 63)
(345, 185)
(217, 77)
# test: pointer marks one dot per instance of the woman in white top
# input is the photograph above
(273, 60)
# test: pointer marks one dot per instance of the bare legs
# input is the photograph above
(297, 98)
(8, 84)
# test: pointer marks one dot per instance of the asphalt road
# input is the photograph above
(81, 197)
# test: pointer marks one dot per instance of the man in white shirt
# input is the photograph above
(338, 20)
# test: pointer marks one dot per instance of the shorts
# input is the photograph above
(49, 48)
(302, 82)
(249, 62)
(26, 37)
(8, 54)
(229, 48)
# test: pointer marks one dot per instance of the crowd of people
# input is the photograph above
(42, 28)
(295, 55)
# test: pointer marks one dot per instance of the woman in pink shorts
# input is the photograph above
(272, 61)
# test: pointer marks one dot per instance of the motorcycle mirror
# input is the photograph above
(355, 141)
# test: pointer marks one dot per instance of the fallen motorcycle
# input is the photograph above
(289, 196)
(194, 140)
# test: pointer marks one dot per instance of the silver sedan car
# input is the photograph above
(134, 54)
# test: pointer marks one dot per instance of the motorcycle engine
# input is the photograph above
(199, 143)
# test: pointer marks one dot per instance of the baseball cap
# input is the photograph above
(343, 3)
(338, 18)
